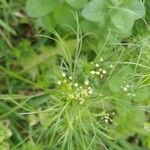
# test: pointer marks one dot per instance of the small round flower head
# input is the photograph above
(113, 113)
(101, 59)
(89, 88)
(101, 76)
(100, 69)
(111, 66)
(106, 120)
(63, 74)
(86, 82)
(59, 82)
(81, 102)
(76, 84)
(92, 72)
(125, 89)
(70, 77)
(90, 91)
(97, 65)
(97, 72)
(133, 94)
(104, 71)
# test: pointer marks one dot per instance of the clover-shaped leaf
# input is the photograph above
(95, 10)
(39, 8)
(76, 3)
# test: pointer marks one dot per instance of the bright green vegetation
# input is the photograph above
(74, 75)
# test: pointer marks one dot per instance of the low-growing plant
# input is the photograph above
(84, 85)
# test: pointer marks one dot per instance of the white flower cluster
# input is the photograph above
(107, 118)
(74, 90)
(127, 88)
(82, 92)
(98, 71)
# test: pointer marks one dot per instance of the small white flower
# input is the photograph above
(70, 77)
(100, 69)
(92, 72)
(97, 65)
(106, 120)
(111, 66)
(63, 74)
(59, 82)
(127, 85)
(125, 89)
(97, 72)
(104, 71)
(84, 92)
(89, 88)
(76, 84)
(133, 94)
(81, 102)
(101, 59)
(113, 113)
(86, 82)
(90, 91)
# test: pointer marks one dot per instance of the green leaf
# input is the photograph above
(142, 94)
(31, 145)
(119, 78)
(48, 21)
(76, 3)
(116, 2)
(123, 21)
(90, 27)
(66, 21)
(39, 8)
(129, 122)
(135, 8)
(95, 10)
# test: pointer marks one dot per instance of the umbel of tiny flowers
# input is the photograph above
(107, 118)
(98, 71)
(128, 88)
(73, 90)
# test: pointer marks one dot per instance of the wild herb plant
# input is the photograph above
(86, 86)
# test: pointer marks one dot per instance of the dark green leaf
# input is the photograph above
(39, 8)
(95, 10)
